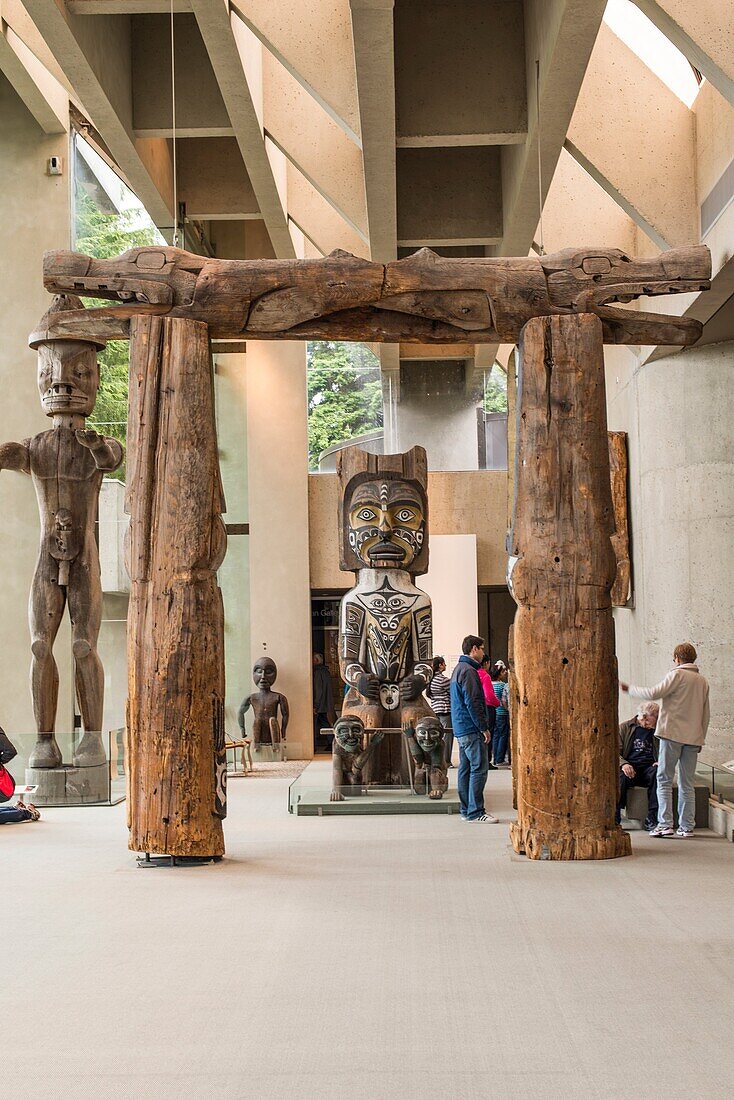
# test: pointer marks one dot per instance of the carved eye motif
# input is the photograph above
(365, 514)
(405, 515)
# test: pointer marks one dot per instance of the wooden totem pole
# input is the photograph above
(177, 541)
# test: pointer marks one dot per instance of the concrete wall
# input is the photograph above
(679, 413)
(34, 215)
(280, 609)
(459, 503)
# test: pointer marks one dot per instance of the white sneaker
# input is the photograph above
(684, 833)
(662, 830)
(485, 819)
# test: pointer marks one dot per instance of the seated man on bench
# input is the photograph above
(638, 756)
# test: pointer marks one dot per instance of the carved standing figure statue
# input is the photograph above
(265, 703)
(426, 746)
(386, 625)
(67, 464)
(349, 755)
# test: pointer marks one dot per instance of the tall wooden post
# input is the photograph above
(175, 724)
(564, 568)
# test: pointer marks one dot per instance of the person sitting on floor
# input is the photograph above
(20, 812)
(638, 760)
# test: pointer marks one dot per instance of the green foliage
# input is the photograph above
(104, 235)
(344, 395)
(495, 391)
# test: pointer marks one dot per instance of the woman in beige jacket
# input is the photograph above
(682, 726)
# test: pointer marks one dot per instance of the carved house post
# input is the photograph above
(562, 570)
(175, 726)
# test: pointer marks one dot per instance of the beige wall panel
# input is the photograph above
(317, 46)
(459, 503)
(703, 31)
(34, 213)
(578, 210)
(280, 608)
(318, 219)
(460, 73)
(199, 103)
(314, 142)
(714, 136)
(449, 196)
(640, 137)
(678, 413)
(212, 179)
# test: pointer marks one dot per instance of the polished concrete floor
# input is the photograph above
(406, 957)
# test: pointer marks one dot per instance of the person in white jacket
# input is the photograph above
(681, 729)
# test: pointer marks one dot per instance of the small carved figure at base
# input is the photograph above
(266, 703)
(426, 746)
(349, 756)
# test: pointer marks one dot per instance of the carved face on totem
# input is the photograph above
(349, 731)
(428, 733)
(265, 673)
(68, 378)
(386, 523)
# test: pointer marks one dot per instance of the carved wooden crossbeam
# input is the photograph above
(424, 298)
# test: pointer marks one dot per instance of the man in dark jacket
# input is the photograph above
(472, 727)
(323, 701)
(638, 755)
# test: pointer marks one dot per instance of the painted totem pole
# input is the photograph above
(386, 624)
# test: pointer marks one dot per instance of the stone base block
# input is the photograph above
(69, 786)
(637, 805)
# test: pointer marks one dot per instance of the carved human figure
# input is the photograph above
(349, 755)
(67, 464)
(268, 728)
(426, 746)
(386, 634)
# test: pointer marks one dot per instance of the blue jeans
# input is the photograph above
(671, 753)
(500, 737)
(473, 771)
(10, 814)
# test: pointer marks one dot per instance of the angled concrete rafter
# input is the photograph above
(42, 94)
(215, 23)
(295, 70)
(146, 164)
(372, 28)
(631, 131)
(561, 35)
(699, 35)
(637, 217)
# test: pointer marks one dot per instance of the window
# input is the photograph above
(652, 47)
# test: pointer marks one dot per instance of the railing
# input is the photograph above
(720, 781)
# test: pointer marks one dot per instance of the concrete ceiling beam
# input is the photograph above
(703, 32)
(200, 108)
(372, 30)
(225, 45)
(94, 56)
(577, 209)
(316, 49)
(15, 15)
(449, 196)
(213, 182)
(460, 74)
(311, 139)
(630, 132)
(42, 94)
(316, 218)
(561, 35)
(126, 7)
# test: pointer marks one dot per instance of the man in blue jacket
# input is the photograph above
(472, 729)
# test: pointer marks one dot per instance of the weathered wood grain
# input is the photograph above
(424, 298)
(175, 721)
(562, 573)
(622, 588)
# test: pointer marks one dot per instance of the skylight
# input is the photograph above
(652, 47)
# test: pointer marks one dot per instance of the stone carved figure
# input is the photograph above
(426, 746)
(67, 464)
(267, 728)
(349, 756)
(386, 628)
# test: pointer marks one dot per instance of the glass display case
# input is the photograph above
(71, 785)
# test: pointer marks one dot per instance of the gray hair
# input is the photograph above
(652, 709)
